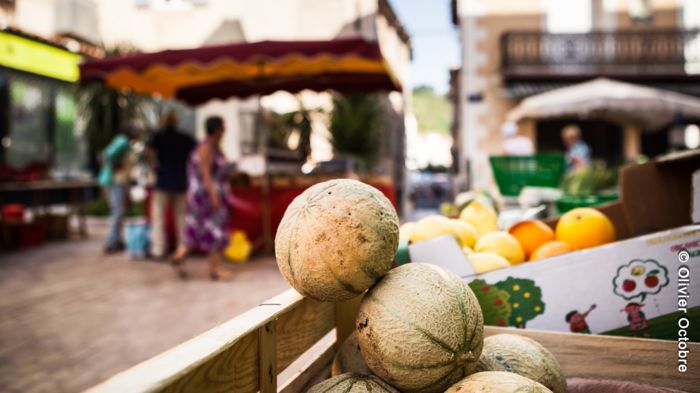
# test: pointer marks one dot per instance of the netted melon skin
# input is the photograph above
(523, 356)
(353, 383)
(336, 239)
(497, 382)
(420, 328)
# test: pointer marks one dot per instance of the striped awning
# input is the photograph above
(240, 70)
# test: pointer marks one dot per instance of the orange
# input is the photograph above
(585, 227)
(550, 249)
(532, 234)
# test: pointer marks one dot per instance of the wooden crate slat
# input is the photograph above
(345, 314)
(311, 369)
(166, 369)
(647, 361)
(234, 370)
(300, 328)
(267, 337)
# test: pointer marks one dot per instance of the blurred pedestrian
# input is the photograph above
(578, 153)
(208, 211)
(514, 144)
(115, 178)
(168, 152)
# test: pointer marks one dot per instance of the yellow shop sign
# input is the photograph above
(38, 58)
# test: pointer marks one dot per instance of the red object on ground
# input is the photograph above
(247, 208)
(13, 212)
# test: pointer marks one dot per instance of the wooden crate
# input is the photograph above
(247, 353)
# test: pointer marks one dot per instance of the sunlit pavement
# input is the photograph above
(72, 317)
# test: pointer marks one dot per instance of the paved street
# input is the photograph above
(71, 317)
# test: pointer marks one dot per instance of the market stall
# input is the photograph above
(196, 76)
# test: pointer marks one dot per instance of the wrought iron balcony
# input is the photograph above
(650, 54)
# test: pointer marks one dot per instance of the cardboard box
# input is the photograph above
(635, 286)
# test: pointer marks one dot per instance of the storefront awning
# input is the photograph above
(24, 54)
(240, 70)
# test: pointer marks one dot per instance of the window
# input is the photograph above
(70, 145)
(26, 143)
(570, 16)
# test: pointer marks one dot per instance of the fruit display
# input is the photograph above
(420, 328)
(353, 383)
(585, 227)
(336, 239)
(523, 356)
(349, 359)
(497, 382)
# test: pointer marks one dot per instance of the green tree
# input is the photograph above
(104, 110)
(433, 111)
(493, 301)
(525, 300)
(356, 128)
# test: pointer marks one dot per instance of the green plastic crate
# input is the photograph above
(569, 202)
(513, 173)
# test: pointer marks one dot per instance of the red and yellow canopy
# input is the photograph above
(198, 75)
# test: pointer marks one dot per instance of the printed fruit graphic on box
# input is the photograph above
(494, 303)
(503, 244)
(336, 239)
(585, 227)
(523, 356)
(420, 328)
(532, 234)
(640, 278)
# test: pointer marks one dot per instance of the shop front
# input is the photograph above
(38, 133)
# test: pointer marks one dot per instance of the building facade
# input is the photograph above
(513, 49)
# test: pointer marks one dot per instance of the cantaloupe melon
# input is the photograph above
(523, 356)
(336, 239)
(353, 383)
(420, 328)
(349, 358)
(497, 382)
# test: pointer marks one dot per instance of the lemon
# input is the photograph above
(481, 216)
(467, 233)
(503, 244)
(483, 262)
(406, 230)
(433, 226)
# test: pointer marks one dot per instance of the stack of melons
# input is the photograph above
(419, 327)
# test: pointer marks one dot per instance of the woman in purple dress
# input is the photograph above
(208, 212)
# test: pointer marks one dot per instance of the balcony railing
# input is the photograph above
(624, 54)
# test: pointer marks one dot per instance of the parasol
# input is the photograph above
(645, 107)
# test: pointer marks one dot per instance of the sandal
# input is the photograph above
(216, 275)
(178, 265)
